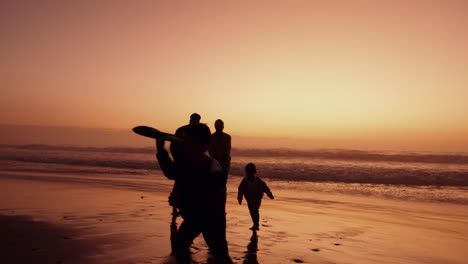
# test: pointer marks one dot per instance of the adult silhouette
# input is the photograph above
(177, 147)
(177, 151)
(220, 147)
(199, 194)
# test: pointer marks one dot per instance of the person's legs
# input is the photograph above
(215, 237)
(173, 229)
(187, 232)
(254, 213)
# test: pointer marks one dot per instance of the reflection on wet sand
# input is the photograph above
(252, 248)
(173, 229)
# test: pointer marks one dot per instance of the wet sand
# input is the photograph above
(56, 219)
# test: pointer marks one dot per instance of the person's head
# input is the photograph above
(250, 170)
(195, 119)
(197, 139)
(219, 125)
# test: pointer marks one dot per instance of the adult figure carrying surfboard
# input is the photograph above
(177, 147)
(177, 152)
(200, 186)
(220, 147)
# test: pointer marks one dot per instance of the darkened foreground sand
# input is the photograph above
(48, 218)
(24, 240)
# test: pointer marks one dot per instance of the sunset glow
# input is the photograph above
(381, 73)
(228, 132)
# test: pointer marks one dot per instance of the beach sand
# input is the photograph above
(46, 218)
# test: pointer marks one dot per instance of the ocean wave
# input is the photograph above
(359, 174)
(83, 161)
(314, 166)
(329, 154)
(358, 155)
(40, 147)
(347, 173)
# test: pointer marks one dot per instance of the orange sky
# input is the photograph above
(383, 74)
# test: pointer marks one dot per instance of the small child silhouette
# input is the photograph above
(252, 188)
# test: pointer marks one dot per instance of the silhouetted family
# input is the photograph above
(199, 192)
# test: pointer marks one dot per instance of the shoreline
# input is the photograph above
(125, 225)
(154, 181)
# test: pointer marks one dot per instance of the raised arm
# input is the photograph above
(176, 148)
(165, 163)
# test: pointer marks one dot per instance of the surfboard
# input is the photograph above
(151, 132)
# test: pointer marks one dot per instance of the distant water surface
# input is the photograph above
(424, 176)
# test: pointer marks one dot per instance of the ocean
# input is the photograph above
(420, 176)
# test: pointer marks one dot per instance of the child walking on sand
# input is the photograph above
(252, 188)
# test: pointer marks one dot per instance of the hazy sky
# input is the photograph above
(389, 73)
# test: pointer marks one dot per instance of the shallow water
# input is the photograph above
(409, 176)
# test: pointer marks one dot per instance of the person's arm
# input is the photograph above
(227, 153)
(211, 148)
(165, 163)
(219, 178)
(267, 191)
(175, 146)
(240, 192)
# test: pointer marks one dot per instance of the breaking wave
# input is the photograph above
(348, 166)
